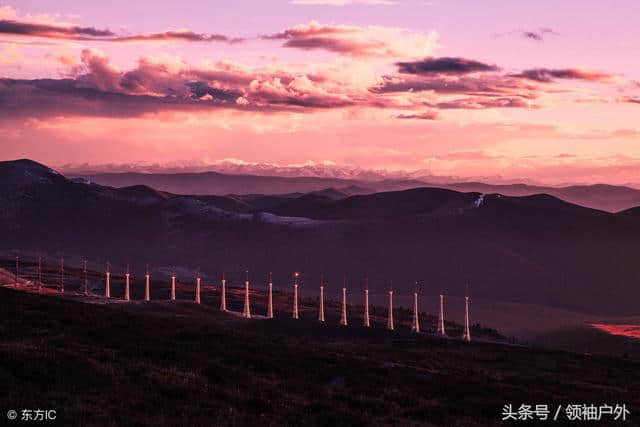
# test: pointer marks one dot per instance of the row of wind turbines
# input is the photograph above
(415, 324)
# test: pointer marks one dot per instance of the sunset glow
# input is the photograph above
(496, 91)
(630, 331)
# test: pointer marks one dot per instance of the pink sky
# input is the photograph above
(546, 91)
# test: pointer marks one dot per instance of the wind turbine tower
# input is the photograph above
(343, 317)
(441, 330)
(366, 303)
(147, 286)
(321, 310)
(17, 270)
(198, 287)
(127, 285)
(270, 298)
(62, 275)
(415, 325)
(107, 286)
(247, 309)
(295, 295)
(86, 283)
(40, 274)
(173, 286)
(223, 297)
(466, 336)
(390, 318)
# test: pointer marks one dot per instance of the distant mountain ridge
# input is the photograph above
(215, 183)
(609, 198)
(234, 167)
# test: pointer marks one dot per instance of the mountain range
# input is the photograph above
(609, 198)
(536, 249)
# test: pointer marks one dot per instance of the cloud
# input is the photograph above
(371, 41)
(97, 88)
(202, 90)
(341, 2)
(73, 32)
(300, 92)
(430, 115)
(546, 75)
(483, 103)
(65, 97)
(444, 65)
(181, 35)
(537, 35)
(158, 78)
(631, 99)
(466, 155)
(485, 85)
(51, 31)
(482, 83)
(96, 72)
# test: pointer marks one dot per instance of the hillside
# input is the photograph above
(610, 198)
(161, 364)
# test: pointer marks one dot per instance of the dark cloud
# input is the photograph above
(65, 97)
(310, 31)
(532, 35)
(90, 33)
(451, 76)
(444, 65)
(538, 35)
(187, 36)
(546, 75)
(51, 31)
(316, 36)
(431, 115)
(631, 99)
(202, 89)
(489, 85)
(334, 45)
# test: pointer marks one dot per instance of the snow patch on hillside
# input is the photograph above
(286, 220)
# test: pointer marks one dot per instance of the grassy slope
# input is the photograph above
(173, 364)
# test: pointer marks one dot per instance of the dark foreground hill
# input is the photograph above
(181, 364)
(534, 249)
